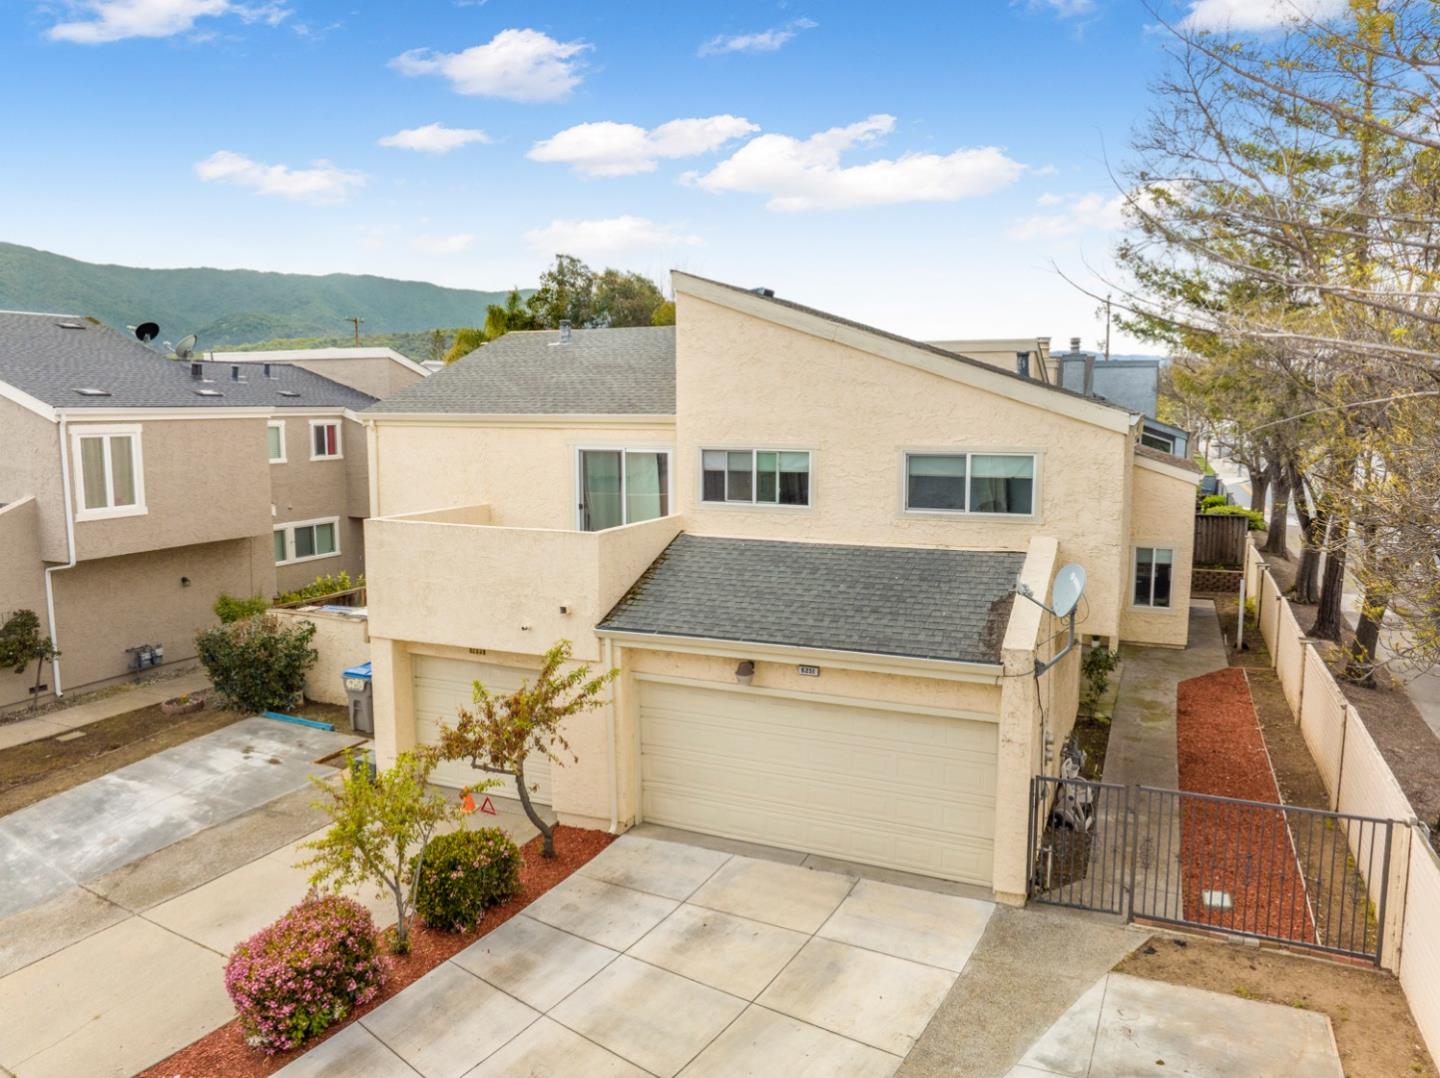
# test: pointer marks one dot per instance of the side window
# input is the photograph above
(1152, 576)
(755, 476)
(275, 440)
(324, 439)
(109, 475)
(993, 483)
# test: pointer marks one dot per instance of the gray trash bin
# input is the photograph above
(357, 691)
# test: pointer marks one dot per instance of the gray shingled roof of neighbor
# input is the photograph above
(922, 603)
(51, 357)
(627, 371)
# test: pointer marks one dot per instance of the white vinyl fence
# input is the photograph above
(1359, 781)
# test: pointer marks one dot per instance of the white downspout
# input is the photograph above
(608, 653)
(70, 547)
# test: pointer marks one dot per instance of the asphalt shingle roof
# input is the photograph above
(629, 371)
(40, 356)
(925, 603)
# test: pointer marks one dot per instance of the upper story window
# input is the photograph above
(1000, 483)
(325, 439)
(275, 440)
(755, 476)
(1152, 576)
(1155, 439)
(622, 486)
(109, 477)
(307, 540)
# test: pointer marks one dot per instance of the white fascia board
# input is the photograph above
(1173, 471)
(29, 403)
(301, 355)
(950, 366)
(191, 413)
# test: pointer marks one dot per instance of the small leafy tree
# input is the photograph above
(257, 664)
(466, 341)
(228, 608)
(379, 830)
(22, 643)
(501, 732)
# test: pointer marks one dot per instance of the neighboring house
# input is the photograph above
(799, 539)
(1130, 382)
(378, 372)
(140, 488)
(1028, 357)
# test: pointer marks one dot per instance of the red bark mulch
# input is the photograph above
(1244, 851)
(224, 1051)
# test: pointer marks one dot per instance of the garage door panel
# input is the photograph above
(909, 791)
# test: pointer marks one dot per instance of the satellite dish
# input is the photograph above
(186, 346)
(1069, 586)
(146, 331)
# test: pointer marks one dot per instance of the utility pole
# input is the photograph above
(359, 322)
(1107, 328)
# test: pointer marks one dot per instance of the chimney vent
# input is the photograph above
(1074, 344)
(564, 331)
(235, 372)
(266, 368)
(196, 372)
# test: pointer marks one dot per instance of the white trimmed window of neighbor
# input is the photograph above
(109, 472)
(621, 486)
(325, 439)
(989, 484)
(755, 476)
(1152, 577)
(307, 540)
(275, 440)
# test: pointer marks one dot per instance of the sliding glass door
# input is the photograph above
(622, 486)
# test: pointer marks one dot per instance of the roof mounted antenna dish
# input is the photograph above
(145, 332)
(1069, 586)
(186, 348)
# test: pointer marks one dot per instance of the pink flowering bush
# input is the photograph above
(305, 972)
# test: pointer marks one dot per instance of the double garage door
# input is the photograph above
(441, 688)
(894, 788)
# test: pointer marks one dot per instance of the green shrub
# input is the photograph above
(257, 664)
(228, 608)
(1257, 518)
(1096, 666)
(464, 872)
(322, 586)
(1214, 501)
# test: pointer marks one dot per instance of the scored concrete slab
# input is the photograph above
(549, 1050)
(647, 1015)
(668, 869)
(761, 1042)
(734, 954)
(18, 733)
(796, 898)
(354, 1052)
(42, 930)
(448, 1021)
(112, 1004)
(1067, 1046)
(874, 998)
(534, 962)
(611, 916)
(939, 930)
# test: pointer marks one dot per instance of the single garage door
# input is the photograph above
(441, 688)
(907, 791)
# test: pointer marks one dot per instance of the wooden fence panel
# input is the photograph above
(1220, 540)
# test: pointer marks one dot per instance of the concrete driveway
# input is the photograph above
(661, 958)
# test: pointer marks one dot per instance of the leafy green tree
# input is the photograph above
(379, 830)
(259, 663)
(437, 345)
(501, 732)
(466, 341)
(663, 315)
(566, 292)
(500, 320)
(22, 643)
(625, 299)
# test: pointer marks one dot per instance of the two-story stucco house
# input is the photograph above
(799, 539)
(137, 489)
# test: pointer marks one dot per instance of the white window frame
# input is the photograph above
(289, 529)
(1150, 607)
(106, 433)
(950, 451)
(754, 486)
(669, 452)
(339, 439)
(278, 424)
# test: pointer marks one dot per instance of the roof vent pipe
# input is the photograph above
(196, 372)
(235, 372)
(266, 368)
(564, 331)
(1074, 344)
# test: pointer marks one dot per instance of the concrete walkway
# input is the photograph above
(125, 699)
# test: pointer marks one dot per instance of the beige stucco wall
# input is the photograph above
(305, 489)
(378, 376)
(1162, 514)
(342, 641)
(744, 382)
(22, 586)
(30, 467)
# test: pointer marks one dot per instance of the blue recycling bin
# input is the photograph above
(358, 693)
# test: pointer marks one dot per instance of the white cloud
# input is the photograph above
(614, 149)
(517, 65)
(607, 237)
(1065, 9)
(434, 138)
(443, 245)
(1251, 15)
(322, 183)
(103, 21)
(762, 41)
(806, 174)
(1081, 213)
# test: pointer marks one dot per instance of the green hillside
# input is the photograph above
(233, 307)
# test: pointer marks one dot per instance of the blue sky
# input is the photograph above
(915, 165)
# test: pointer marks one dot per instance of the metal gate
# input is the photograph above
(1303, 877)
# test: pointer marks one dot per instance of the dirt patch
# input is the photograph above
(224, 1052)
(39, 769)
(1374, 1031)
